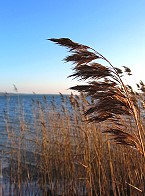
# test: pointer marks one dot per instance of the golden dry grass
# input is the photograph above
(70, 156)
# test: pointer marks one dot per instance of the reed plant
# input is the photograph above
(112, 98)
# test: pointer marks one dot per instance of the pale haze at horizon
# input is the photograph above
(116, 29)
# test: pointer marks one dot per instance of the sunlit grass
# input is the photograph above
(66, 155)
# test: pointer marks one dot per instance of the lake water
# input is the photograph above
(14, 106)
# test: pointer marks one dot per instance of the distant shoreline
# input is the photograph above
(16, 94)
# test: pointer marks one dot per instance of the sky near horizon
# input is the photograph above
(116, 29)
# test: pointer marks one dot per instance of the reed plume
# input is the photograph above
(113, 100)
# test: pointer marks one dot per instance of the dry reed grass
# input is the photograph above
(112, 98)
(67, 156)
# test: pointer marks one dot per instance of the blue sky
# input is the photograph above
(114, 28)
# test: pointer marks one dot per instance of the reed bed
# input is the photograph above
(66, 155)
